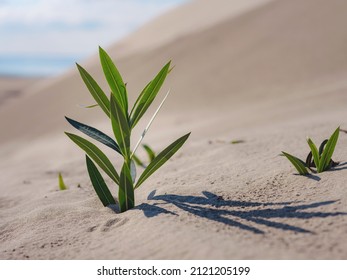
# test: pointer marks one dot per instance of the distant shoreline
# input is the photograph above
(35, 66)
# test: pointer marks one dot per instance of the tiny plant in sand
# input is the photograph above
(321, 157)
(238, 141)
(122, 122)
(62, 185)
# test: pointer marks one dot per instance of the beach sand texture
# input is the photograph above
(269, 73)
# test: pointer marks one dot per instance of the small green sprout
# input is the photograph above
(239, 141)
(62, 185)
(321, 157)
(122, 122)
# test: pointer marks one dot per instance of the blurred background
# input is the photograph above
(44, 38)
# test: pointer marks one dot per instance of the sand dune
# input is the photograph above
(269, 73)
(15, 87)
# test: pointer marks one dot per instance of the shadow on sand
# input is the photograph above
(215, 208)
(341, 166)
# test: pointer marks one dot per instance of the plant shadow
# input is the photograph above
(310, 176)
(341, 166)
(216, 208)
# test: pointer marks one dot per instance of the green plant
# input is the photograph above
(321, 157)
(150, 154)
(122, 122)
(238, 141)
(299, 165)
(62, 185)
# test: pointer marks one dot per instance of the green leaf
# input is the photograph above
(138, 161)
(145, 100)
(298, 163)
(328, 151)
(92, 106)
(126, 189)
(97, 155)
(315, 154)
(95, 90)
(321, 147)
(139, 98)
(114, 80)
(62, 185)
(150, 152)
(95, 134)
(308, 160)
(120, 127)
(161, 158)
(237, 141)
(88, 106)
(99, 184)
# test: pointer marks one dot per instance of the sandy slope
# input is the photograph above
(269, 76)
(13, 88)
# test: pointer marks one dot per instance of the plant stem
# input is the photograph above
(149, 124)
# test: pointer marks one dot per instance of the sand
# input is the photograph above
(14, 87)
(269, 74)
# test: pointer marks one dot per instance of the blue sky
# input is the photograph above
(67, 29)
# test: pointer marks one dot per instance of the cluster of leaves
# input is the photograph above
(122, 122)
(321, 157)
